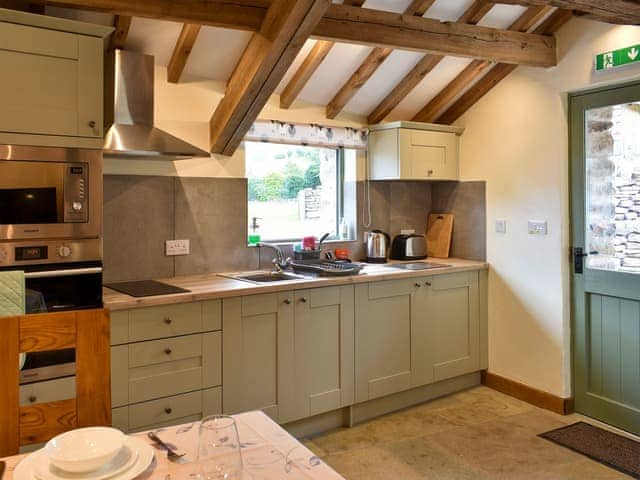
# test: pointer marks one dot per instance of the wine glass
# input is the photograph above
(219, 456)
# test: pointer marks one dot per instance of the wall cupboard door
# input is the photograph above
(257, 351)
(382, 338)
(323, 345)
(51, 82)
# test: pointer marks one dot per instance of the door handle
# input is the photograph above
(578, 258)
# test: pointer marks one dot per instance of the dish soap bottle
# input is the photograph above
(344, 229)
(254, 236)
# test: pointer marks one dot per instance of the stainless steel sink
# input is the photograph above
(265, 277)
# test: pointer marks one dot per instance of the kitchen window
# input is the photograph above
(295, 191)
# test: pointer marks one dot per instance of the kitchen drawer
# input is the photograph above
(144, 371)
(171, 410)
(48, 391)
(140, 324)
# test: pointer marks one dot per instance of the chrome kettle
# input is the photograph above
(377, 245)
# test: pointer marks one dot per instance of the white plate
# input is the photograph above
(124, 460)
(26, 469)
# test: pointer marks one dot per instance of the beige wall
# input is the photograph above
(516, 138)
(184, 110)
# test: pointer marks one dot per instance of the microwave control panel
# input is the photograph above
(76, 195)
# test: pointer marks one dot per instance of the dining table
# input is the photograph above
(268, 452)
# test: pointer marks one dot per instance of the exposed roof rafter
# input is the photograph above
(556, 20)
(624, 12)
(263, 63)
(370, 64)
(182, 50)
(430, 112)
(411, 80)
(308, 67)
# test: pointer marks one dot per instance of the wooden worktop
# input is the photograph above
(213, 285)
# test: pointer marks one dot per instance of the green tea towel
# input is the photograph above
(12, 293)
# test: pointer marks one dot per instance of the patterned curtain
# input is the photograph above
(310, 134)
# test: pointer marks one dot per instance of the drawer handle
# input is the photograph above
(303, 299)
(92, 124)
(168, 410)
(428, 284)
(417, 285)
(32, 399)
(287, 302)
(168, 351)
(168, 321)
(429, 172)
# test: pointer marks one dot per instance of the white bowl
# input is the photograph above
(84, 449)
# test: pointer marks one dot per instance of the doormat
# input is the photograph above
(608, 448)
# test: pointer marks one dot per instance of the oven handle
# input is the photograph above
(63, 273)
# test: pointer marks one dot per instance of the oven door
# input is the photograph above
(57, 288)
(49, 193)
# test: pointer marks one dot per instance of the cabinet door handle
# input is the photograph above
(168, 410)
(417, 285)
(168, 351)
(32, 399)
(428, 284)
(168, 321)
(92, 124)
(429, 172)
(287, 302)
(303, 299)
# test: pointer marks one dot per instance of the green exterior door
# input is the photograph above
(605, 194)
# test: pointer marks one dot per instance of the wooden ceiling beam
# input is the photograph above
(264, 62)
(182, 50)
(308, 67)
(624, 12)
(368, 67)
(122, 24)
(473, 71)
(344, 23)
(498, 72)
(411, 80)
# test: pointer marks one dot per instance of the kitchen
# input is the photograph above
(374, 368)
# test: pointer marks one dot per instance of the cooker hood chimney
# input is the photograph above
(133, 134)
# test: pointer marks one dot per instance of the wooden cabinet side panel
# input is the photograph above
(383, 154)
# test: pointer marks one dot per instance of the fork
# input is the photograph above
(172, 453)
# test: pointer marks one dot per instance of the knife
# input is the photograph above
(172, 453)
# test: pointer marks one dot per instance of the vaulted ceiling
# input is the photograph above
(358, 59)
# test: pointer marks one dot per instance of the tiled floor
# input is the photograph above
(478, 434)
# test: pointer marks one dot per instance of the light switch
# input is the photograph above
(176, 247)
(538, 227)
(501, 226)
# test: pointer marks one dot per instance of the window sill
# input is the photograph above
(290, 243)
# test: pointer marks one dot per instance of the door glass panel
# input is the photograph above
(612, 149)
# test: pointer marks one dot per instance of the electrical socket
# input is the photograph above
(538, 227)
(501, 226)
(176, 247)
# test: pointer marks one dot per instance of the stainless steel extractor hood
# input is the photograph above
(133, 133)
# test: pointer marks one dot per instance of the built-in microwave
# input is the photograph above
(50, 192)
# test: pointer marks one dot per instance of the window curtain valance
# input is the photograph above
(309, 134)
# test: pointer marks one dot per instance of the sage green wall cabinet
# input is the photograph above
(256, 345)
(164, 361)
(289, 354)
(414, 151)
(417, 331)
(51, 87)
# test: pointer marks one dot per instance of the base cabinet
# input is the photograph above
(415, 332)
(289, 354)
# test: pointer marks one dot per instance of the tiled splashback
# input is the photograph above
(141, 212)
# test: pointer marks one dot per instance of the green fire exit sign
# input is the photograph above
(617, 58)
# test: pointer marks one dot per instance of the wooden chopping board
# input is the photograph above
(439, 229)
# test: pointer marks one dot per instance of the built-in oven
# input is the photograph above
(50, 193)
(55, 283)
